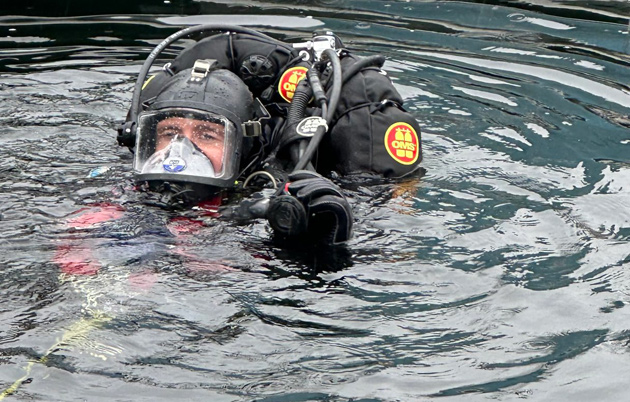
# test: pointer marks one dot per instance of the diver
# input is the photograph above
(258, 125)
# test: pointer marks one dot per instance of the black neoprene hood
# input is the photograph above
(220, 95)
(221, 92)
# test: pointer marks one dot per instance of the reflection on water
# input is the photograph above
(501, 274)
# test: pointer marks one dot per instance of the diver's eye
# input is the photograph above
(168, 134)
(209, 134)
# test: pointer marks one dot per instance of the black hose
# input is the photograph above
(335, 93)
(335, 90)
(318, 91)
(297, 110)
(144, 71)
(301, 97)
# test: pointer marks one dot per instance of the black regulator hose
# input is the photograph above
(144, 71)
(301, 97)
(297, 110)
(333, 100)
(335, 90)
(318, 91)
(319, 95)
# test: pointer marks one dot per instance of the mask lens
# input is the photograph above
(193, 145)
(207, 136)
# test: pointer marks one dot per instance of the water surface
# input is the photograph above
(501, 275)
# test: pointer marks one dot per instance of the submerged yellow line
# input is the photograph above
(76, 331)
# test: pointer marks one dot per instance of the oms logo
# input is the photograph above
(289, 80)
(401, 142)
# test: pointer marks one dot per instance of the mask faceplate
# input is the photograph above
(186, 145)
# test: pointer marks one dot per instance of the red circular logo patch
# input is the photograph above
(401, 142)
(289, 82)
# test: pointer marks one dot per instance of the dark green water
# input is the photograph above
(501, 275)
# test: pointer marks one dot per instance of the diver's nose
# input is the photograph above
(179, 145)
(188, 132)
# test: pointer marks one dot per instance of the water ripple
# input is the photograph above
(500, 274)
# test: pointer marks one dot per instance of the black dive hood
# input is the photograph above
(205, 95)
(220, 91)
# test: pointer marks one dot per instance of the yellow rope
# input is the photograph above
(78, 330)
(92, 289)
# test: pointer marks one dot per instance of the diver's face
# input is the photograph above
(207, 136)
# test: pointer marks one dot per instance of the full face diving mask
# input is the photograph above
(182, 145)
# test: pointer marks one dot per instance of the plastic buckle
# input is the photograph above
(201, 68)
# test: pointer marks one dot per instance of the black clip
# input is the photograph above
(253, 128)
(127, 134)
